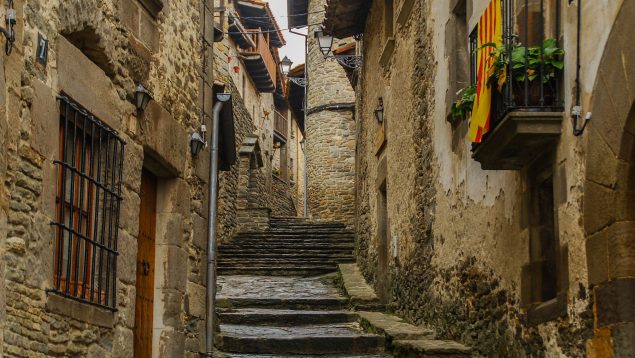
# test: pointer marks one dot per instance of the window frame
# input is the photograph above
(89, 173)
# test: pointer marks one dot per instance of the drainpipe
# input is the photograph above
(211, 224)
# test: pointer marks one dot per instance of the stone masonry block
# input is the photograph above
(599, 210)
(174, 268)
(170, 151)
(621, 250)
(614, 302)
(195, 302)
(172, 301)
(132, 165)
(87, 84)
(123, 343)
(174, 197)
(171, 343)
(127, 260)
(129, 214)
(597, 257)
(601, 159)
(200, 232)
(45, 121)
(170, 229)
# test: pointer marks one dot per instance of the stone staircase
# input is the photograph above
(292, 246)
(280, 297)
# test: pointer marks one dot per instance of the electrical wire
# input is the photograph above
(266, 31)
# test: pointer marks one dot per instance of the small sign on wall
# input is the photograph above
(42, 53)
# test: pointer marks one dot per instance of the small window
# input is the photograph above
(88, 201)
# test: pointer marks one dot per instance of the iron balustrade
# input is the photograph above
(88, 203)
(526, 26)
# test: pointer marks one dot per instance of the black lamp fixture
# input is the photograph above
(196, 143)
(325, 41)
(285, 65)
(142, 98)
(9, 34)
(379, 111)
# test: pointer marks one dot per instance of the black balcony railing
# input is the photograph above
(529, 59)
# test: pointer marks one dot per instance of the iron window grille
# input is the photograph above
(526, 23)
(88, 202)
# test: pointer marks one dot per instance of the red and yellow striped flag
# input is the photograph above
(490, 30)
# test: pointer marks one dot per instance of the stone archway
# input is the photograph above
(609, 200)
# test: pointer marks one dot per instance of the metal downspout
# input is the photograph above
(211, 230)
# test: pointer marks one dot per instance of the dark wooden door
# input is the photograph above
(145, 267)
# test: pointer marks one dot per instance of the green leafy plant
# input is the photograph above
(463, 106)
(526, 62)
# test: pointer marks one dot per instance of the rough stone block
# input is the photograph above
(200, 232)
(87, 84)
(621, 250)
(175, 266)
(123, 343)
(598, 207)
(172, 301)
(170, 229)
(601, 159)
(174, 197)
(614, 302)
(129, 15)
(624, 340)
(132, 165)
(171, 344)
(169, 151)
(45, 121)
(49, 183)
(129, 213)
(148, 31)
(195, 300)
(127, 259)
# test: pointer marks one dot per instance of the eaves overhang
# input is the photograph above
(346, 18)
(297, 11)
(256, 14)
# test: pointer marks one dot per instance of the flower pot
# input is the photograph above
(530, 96)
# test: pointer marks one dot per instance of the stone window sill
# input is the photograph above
(386, 53)
(547, 311)
(405, 11)
(82, 312)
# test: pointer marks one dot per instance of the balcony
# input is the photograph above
(280, 125)
(259, 62)
(527, 110)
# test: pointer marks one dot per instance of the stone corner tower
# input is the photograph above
(330, 131)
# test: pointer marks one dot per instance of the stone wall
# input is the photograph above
(282, 203)
(457, 237)
(330, 141)
(98, 52)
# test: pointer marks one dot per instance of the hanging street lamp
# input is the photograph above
(325, 41)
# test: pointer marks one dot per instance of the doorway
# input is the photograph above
(144, 307)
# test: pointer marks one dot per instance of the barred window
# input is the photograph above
(88, 200)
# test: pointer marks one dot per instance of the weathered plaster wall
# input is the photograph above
(457, 239)
(330, 141)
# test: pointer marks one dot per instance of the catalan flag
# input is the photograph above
(490, 30)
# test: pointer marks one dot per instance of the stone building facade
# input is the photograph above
(152, 192)
(330, 130)
(536, 261)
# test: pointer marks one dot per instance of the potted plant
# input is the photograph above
(462, 107)
(527, 65)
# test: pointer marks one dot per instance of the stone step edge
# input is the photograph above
(429, 348)
(360, 294)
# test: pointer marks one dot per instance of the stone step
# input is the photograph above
(277, 270)
(290, 245)
(247, 355)
(289, 241)
(284, 256)
(230, 261)
(287, 303)
(314, 339)
(284, 318)
(273, 250)
(431, 348)
(294, 236)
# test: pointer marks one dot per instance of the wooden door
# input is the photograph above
(145, 267)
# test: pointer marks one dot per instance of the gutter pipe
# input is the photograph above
(211, 225)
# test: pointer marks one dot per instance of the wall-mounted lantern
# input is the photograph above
(10, 19)
(196, 143)
(142, 98)
(325, 41)
(285, 65)
(379, 111)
